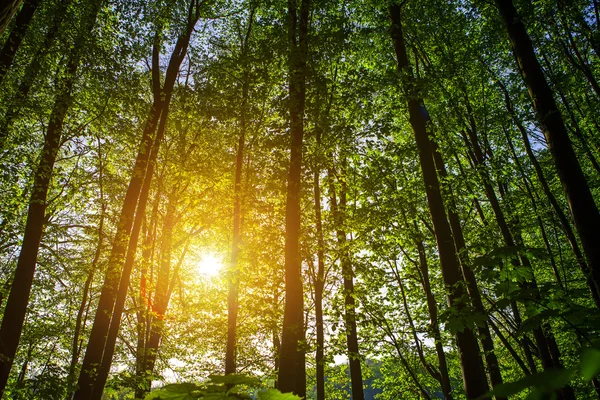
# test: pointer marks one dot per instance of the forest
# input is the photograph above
(311, 199)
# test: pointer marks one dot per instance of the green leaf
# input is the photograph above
(274, 394)
(233, 379)
(544, 382)
(177, 391)
(590, 363)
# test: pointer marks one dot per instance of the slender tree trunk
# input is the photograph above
(562, 218)
(292, 354)
(533, 200)
(31, 73)
(385, 326)
(275, 333)
(339, 216)
(471, 364)
(144, 301)
(18, 299)
(510, 348)
(433, 322)
(115, 321)
(104, 332)
(7, 54)
(8, 8)
(319, 283)
(233, 295)
(483, 330)
(97, 340)
(542, 338)
(162, 293)
(583, 208)
(75, 346)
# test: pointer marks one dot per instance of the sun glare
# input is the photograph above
(210, 264)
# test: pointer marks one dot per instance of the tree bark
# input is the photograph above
(233, 295)
(18, 299)
(583, 208)
(101, 339)
(7, 11)
(291, 377)
(31, 73)
(562, 218)
(483, 330)
(473, 371)
(319, 282)
(339, 217)
(7, 54)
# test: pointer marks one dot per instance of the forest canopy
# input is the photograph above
(259, 199)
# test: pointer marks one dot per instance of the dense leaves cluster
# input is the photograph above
(402, 197)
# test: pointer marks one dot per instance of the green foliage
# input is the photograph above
(219, 387)
(548, 382)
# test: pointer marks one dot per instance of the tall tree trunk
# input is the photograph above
(292, 354)
(532, 197)
(31, 73)
(542, 336)
(339, 216)
(144, 301)
(562, 218)
(7, 54)
(471, 364)
(18, 299)
(483, 330)
(583, 208)
(115, 321)
(94, 369)
(434, 325)
(79, 321)
(161, 295)
(319, 282)
(383, 324)
(8, 8)
(97, 340)
(233, 295)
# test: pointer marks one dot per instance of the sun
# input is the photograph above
(210, 264)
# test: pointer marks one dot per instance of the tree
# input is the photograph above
(291, 377)
(16, 305)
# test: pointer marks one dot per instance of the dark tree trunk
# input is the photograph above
(18, 299)
(101, 343)
(292, 354)
(233, 295)
(7, 54)
(8, 9)
(79, 322)
(115, 321)
(471, 364)
(319, 283)
(143, 313)
(31, 73)
(562, 218)
(543, 341)
(339, 216)
(483, 330)
(108, 295)
(434, 323)
(583, 208)
(162, 292)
